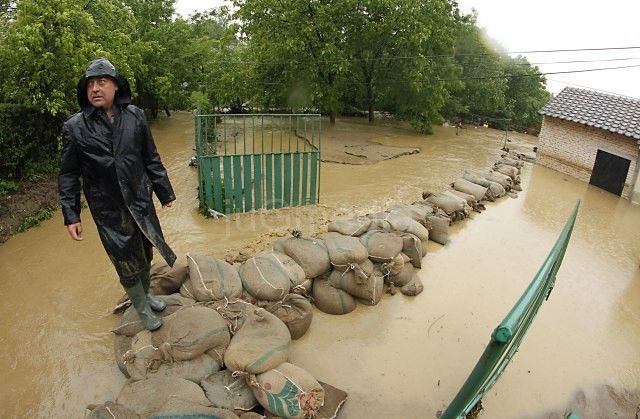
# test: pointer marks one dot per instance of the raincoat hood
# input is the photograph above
(101, 67)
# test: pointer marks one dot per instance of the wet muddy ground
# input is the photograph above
(405, 357)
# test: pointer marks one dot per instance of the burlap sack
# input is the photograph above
(440, 231)
(331, 300)
(146, 397)
(130, 323)
(344, 250)
(415, 212)
(144, 361)
(295, 311)
(310, 253)
(446, 202)
(211, 279)
(111, 410)
(191, 332)
(475, 178)
(465, 186)
(493, 176)
(261, 344)
(288, 391)
(365, 284)
(402, 223)
(234, 312)
(270, 275)
(176, 408)
(413, 248)
(510, 171)
(121, 344)
(405, 276)
(506, 160)
(353, 226)
(228, 392)
(381, 246)
(395, 266)
(167, 280)
(468, 198)
(413, 288)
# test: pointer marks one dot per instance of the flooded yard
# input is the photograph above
(405, 357)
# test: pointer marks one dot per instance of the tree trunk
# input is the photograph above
(332, 117)
(166, 110)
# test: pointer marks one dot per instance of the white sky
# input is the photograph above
(520, 25)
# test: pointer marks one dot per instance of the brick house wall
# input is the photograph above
(570, 147)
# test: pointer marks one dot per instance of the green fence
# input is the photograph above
(257, 161)
(506, 338)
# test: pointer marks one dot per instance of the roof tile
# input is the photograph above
(619, 114)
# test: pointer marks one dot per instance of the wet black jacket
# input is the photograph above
(120, 168)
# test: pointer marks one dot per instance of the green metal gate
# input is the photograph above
(256, 161)
(507, 337)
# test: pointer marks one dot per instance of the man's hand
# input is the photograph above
(75, 231)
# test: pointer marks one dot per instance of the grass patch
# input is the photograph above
(43, 214)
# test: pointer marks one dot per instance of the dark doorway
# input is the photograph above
(609, 172)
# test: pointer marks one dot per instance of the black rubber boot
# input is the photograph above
(139, 301)
(155, 303)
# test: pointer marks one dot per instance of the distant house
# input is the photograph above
(594, 137)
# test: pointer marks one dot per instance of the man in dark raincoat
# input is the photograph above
(109, 145)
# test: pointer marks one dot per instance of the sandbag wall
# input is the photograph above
(223, 349)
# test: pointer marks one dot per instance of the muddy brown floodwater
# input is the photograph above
(405, 357)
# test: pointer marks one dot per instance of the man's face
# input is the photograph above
(101, 91)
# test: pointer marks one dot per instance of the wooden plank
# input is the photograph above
(286, 198)
(218, 205)
(228, 184)
(237, 183)
(268, 169)
(277, 180)
(305, 177)
(257, 181)
(313, 184)
(248, 188)
(296, 179)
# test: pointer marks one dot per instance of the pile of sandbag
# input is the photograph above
(223, 350)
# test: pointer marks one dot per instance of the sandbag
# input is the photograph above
(405, 276)
(130, 323)
(331, 300)
(111, 410)
(295, 311)
(395, 266)
(211, 279)
(477, 179)
(440, 231)
(261, 344)
(366, 284)
(468, 198)
(310, 253)
(493, 176)
(228, 392)
(234, 312)
(415, 212)
(402, 223)
(344, 250)
(270, 275)
(121, 344)
(465, 186)
(278, 244)
(447, 203)
(288, 391)
(165, 280)
(381, 246)
(496, 189)
(176, 408)
(506, 160)
(144, 361)
(191, 332)
(510, 171)
(413, 248)
(353, 226)
(145, 397)
(413, 288)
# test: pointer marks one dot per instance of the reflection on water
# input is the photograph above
(406, 357)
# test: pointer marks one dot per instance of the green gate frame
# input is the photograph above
(506, 338)
(257, 161)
